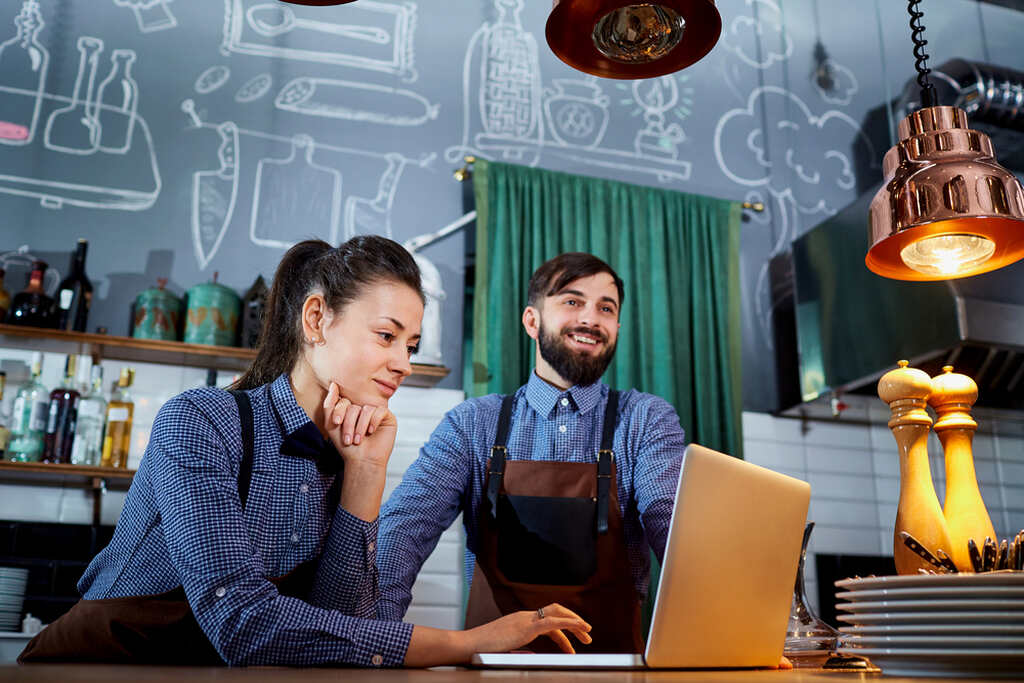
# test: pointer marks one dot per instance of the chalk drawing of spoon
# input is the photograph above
(273, 20)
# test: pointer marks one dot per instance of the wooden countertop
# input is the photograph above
(101, 672)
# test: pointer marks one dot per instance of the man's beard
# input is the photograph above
(573, 366)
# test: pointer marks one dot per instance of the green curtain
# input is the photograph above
(678, 255)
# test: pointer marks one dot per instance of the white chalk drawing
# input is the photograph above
(759, 39)
(255, 88)
(376, 35)
(150, 15)
(431, 331)
(79, 134)
(294, 197)
(214, 192)
(838, 85)
(509, 116)
(212, 79)
(280, 180)
(23, 65)
(332, 98)
(22, 258)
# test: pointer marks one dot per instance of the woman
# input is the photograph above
(249, 533)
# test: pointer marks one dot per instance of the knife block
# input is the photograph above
(906, 390)
(952, 396)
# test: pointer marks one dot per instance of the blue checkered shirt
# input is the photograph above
(547, 424)
(183, 525)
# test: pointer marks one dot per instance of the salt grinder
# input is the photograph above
(906, 390)
(952, 396)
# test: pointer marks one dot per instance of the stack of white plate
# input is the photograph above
(936, 624)
(12, 596)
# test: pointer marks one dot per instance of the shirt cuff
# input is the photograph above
(349, 531)
(380, 644)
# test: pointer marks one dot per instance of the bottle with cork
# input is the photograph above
(952, 397)
(906, 390)
(118, 438)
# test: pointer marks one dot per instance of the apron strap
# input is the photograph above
(248, 439)
(605, 457)
(496, 465)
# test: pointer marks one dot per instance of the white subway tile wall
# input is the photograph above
(437, 595)
(853, 470)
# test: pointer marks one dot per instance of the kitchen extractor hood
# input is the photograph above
(839, 327)
(852, 325)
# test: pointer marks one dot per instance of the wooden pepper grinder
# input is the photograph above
(906, 390)
(952, 396)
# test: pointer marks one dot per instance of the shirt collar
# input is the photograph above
(543, 397)
(301, 437)
(290, 415)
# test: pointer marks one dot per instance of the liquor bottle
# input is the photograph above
(118, 439)
(87, 447)
(31, 306)
(62, 412)
(5, 297)
(74, 295)
(23, 63)
(5, 433)
(28, 419)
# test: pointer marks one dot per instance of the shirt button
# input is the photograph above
(565, 401)
(377, 660)
(295, 538)
(221, 592)
(562, 428)
(304, 488)
(372, 546)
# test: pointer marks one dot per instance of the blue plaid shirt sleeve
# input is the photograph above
(346, 577)
(425, 504)
(240, 611)
(656, 470)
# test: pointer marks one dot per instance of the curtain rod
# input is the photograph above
(464, 172)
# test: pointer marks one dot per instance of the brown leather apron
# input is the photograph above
(552, 532)
(155, 629)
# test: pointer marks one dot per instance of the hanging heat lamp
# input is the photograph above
(947, 209)
(623, 39)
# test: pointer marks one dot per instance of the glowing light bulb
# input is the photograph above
(637, 34)
(947, 255)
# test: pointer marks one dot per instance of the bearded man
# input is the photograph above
(563, 486)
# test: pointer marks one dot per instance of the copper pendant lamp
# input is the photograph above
(629, 39)
(947, 209)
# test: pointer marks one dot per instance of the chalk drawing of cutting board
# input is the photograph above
(295, 199)
(367, 34)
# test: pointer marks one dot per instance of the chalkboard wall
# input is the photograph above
(210, 135)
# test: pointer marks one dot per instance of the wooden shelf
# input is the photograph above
(161, 352)
(56, 474)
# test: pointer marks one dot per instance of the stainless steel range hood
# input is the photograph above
(852, 325)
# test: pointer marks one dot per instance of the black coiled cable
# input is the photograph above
(928, 98)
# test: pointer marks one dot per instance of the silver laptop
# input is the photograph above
(726, 586)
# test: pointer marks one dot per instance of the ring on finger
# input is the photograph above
(540, 612)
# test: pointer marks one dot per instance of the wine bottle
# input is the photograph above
(60, 423)
(23, 64)
(118, 439)
(74, 296)
(5, 297)
(87, 447)
(28, 420)
(31, 306)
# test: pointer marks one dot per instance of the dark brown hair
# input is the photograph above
(341, 274)
(553, 275)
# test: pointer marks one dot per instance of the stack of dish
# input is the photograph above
(936, 624)
(12, 596)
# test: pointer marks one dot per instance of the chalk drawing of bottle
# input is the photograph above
(510, 88)
(116, 102)
(657, 96)
(23, 63)
(74, 129)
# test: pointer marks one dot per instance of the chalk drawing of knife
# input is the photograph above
(214, 193)
(336, 99)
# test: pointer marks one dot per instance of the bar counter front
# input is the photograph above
(158, 674)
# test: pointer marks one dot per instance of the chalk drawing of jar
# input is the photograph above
(576, 112)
